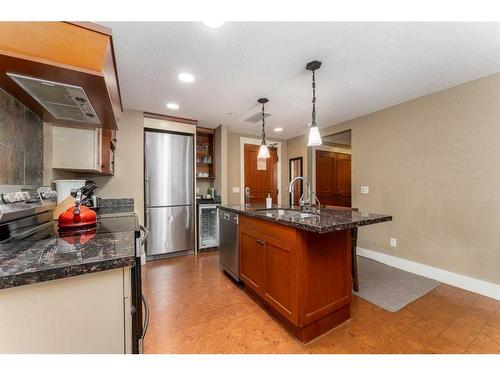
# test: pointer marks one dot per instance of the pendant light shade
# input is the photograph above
(263, 150)
(314, 136)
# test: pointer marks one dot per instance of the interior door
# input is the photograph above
(261, 175)
(325, 177)
(343, 180)
(333, 178)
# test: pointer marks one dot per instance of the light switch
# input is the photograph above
(236, 189)
(365, 189)
(394, 242)
(197, 190)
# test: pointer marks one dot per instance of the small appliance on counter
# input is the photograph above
(79, 216)
(65, 187)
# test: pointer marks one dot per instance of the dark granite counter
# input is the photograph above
(329, 219)
(54, 255)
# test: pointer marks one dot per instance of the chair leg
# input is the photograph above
(354, 262)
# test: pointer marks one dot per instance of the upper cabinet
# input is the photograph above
(63, 71)
(205, 153)
(84, 150)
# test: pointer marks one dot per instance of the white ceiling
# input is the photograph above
(366, 67)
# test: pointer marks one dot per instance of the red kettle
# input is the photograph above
(78, 216)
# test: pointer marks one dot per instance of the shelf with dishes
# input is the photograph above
(205, 155)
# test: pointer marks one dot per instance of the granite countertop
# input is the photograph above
(55, 256)
(329, 219)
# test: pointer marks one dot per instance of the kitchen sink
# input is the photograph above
(285, 213)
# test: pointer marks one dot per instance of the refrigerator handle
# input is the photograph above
(147, 180)
(148, 218)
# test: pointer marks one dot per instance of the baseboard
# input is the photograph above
(460, 281)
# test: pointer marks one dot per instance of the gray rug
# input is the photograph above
(388, 287)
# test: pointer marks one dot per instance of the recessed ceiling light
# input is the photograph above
(278, 129)
(213, 24)
(172, 106)
(186, 77)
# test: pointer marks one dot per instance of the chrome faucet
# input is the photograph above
(305, 199)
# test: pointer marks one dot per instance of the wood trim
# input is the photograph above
(106, 31)
(92, 26)
(157, 116)
(201, 130)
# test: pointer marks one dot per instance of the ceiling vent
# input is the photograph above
(257, 117)
(63, 101)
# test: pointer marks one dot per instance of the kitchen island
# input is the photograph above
(298, 264)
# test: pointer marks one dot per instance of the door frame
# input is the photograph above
(256, 141)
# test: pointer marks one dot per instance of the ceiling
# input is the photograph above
(366, 67)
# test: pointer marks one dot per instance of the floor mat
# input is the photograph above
(388, 287)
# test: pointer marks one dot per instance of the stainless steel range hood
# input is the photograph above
(63, 101)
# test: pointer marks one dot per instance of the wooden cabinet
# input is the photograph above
(251, 259)
(304, 278)
(108, 151)
(83, 150)
(205, 153)
(279, 276)
(333, 178)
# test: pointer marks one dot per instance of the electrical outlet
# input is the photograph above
(236, 189)
(394, 242)
(365, 190)
(197, 190)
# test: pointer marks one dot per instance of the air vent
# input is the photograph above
(63, 101)
(257, 117)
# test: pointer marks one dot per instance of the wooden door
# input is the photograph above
(343, 180)
(333, 178)
(279, 276)
(250, 258)
(325, 177)
(261, 176)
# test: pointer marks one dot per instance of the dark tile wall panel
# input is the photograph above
(21, 143)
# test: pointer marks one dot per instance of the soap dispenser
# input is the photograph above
(269, 201)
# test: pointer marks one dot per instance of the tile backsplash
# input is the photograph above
(21, 143)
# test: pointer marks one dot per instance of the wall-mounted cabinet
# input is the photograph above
(84, 150)
(205, 153)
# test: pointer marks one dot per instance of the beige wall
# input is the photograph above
(434, 164)
(128, 179)
(233, 167)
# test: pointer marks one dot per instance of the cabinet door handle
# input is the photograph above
(261, 242)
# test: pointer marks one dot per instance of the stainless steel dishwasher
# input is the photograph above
(228, 243)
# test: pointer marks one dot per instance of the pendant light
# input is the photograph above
(263, 150)
(314, 136)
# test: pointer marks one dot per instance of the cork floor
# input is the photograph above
(195, 308)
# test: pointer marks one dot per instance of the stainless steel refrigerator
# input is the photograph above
(169, 192)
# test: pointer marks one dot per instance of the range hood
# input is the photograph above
(63, 101)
